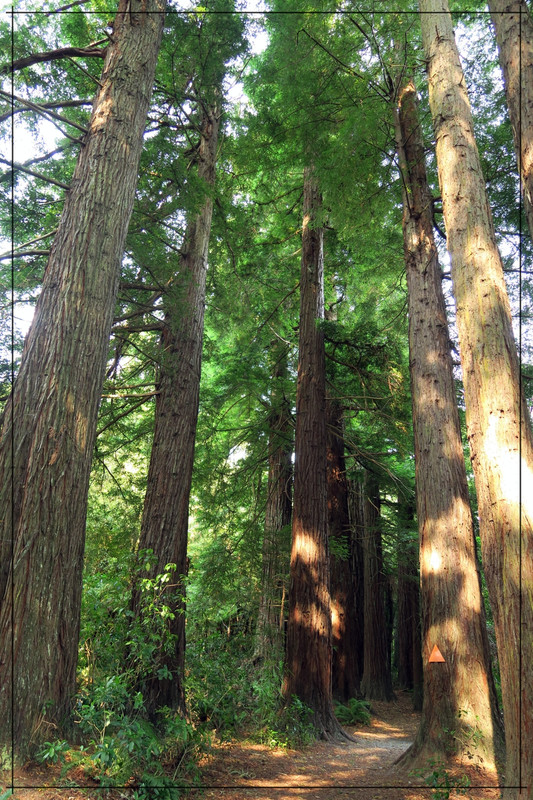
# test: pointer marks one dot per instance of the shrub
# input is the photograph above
(354, 712)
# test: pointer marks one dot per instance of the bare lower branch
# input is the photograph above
(45, 178)
(153, 326)
(47, 112)
(6, 256)
(61, 104)
(128, 396)
(53, 55)
(24, 245)
(65, 8)
(7, 175)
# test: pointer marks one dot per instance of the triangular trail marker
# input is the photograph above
(436, 655)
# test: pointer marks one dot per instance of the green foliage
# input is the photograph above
(119, 741)
(159, 787)
(440, 780)
(219, 678)
(53, 752)
(121, 744)
(229, 691)
(354, 712)
(294, 726)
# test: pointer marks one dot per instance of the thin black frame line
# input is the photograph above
(312, 787)
(270, 13)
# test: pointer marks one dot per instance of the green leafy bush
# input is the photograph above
(440, 780)
(354, 712)
(118, 652)
(53, 752)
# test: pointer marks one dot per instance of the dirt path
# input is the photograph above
(359, 770)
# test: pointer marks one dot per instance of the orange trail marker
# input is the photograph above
(436, 655)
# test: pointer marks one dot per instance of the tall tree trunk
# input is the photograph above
(376, 683)
(345, 665)
(409, 645)
(459, 693)
(164, 527)
(49, 423)
(278, 512)
(308, 656)
(357, 528)
(514, 34)
(497, 420)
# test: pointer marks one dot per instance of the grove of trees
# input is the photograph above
(267, 439)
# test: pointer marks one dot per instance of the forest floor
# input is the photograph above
(240, 770)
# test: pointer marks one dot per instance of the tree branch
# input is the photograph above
(31, 241)
(45, 178)
(62, 104)
(138, 286)
(53, 55)
(152, 326)
(44, 111)
(124, 414)
(65, 8)
(6, 176)
(14, 254)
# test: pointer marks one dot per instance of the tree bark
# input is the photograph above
(357, 528)
(271, 616)
(308, 656)
(409, 645)
(514, 34)
(497, 420)
(164, 527)
(376, 683)
(345, 665)
(48, 428)
(458, 694)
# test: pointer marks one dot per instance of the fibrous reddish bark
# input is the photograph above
(514, 34)
(164, 528)
(497, 418)
(357, 529)
(376, 682)
(50, 420)
(409, 645)
(276, 545)
(345, 626)
(459, 694)
(308, 661)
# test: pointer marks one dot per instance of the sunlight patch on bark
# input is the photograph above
(514, 469)
(306, 543)
(81, 431)
(102, 113)
(435, 560)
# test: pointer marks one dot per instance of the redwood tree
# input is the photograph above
(49, 424)
(514, 34)
(164, 528)
(344, 611)
(277, 513)
(408, 635)
(357, 531)
(497, 419)
(376, 682)
(458, 695)
(308, 657)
